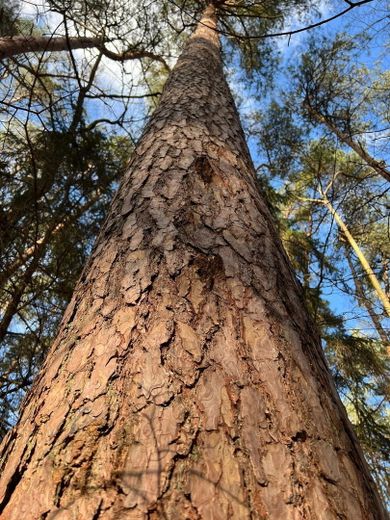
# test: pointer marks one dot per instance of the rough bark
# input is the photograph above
(187, 381)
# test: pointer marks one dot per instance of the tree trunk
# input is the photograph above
(14, 45)
(371, 276)
(187, 381)
(364, 300)
(356, 146)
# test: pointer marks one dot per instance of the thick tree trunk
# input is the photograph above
(187, 381)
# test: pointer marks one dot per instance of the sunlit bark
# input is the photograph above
(187, 380)
(382, 296)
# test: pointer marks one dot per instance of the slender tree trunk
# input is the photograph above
(34, 254)
(187, 381)
(378, 166)
(11, 307)
(366, 302)
(382, 296)
(15, 45)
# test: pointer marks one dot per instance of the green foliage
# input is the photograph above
(74, 179)
(360, 367)
(280, 137)
(8, 17)
(335, 87)
(57, 177)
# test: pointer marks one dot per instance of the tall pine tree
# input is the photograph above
(187, 380)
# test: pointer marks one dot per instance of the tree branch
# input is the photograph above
(351, 5)
(13, 45)
(378, 166)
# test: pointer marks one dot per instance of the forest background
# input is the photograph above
(315, 105)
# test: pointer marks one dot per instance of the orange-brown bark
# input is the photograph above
(187, 381)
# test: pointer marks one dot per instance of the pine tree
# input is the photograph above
(187, 380)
